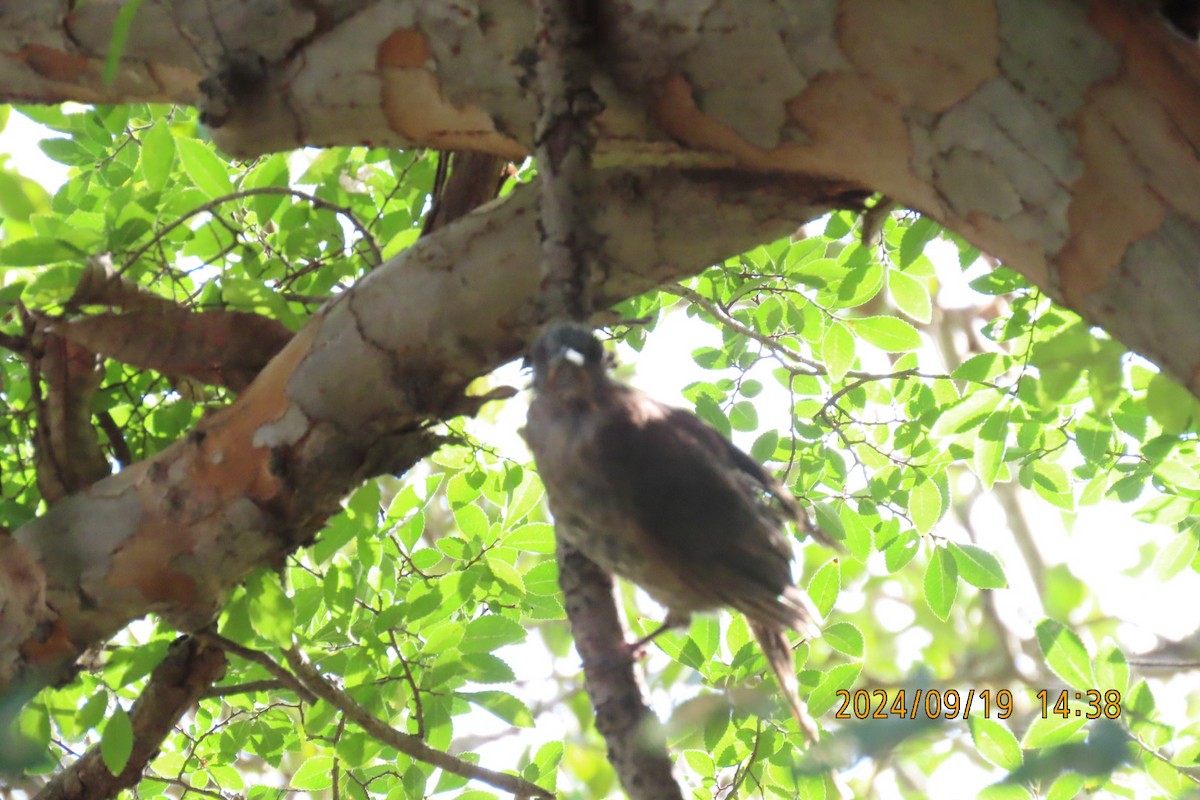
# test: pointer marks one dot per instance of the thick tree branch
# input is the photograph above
(474, 180)
(1075, 165)
(175, 685)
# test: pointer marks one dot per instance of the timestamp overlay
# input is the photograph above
(964, 703)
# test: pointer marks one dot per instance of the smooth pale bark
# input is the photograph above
(1058, 135)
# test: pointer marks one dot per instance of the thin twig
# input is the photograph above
(315, 201)
(405, 743)
(263, 660)
(249, 687)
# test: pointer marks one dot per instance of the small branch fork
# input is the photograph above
(570, 247)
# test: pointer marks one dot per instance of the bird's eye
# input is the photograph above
(574, 356)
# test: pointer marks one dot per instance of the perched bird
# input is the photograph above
(657, 496)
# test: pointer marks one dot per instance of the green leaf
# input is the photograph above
(857, 537)
(823, 697)
(978, 567)
(700, 762)
(1112, 670)
(1005, 791)
(1066, 786)
(1052, 731)
(837, 350)
(924, 505)
(901, 550)
(157, 155)
(941, 582)
(37, 251)
(503, 705)
(1065, 654)
(487, 668)
(825, 585)
(1178, 554)
(743, 416)
(764, 446)
(116, 43)
(1174, 472)
(890, 334)
(812, 786)
(991, 447)
(910, 296)
(982, 367)
(506, 575)
(443, 636)
(1001, 280)
(542, 580)
(996, 743)
(271, 613)
(472, 522)
(845, 638)
(533, 537)
(67, 151)
(1093, 438)
(1051, 482)
(1170, 404)
(21, 197)
(922, 231)
(204, 167)
(314, 775)
(547, 759)
(708, 410)
(116, 742)
(490, 632)
(967, 413)
(93, 710)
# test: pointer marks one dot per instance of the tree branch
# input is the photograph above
(637, 747)
(563, 146)
(175, 685)
(404, 742)
(570, 252)
(285, 678)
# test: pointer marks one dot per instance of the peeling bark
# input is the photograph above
(1058, 135)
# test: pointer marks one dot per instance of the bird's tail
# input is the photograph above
(775, 647)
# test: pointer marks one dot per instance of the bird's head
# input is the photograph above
(567, 359)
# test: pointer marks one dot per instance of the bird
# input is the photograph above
(654, 494)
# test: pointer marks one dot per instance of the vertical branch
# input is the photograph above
(563, 144)
(637, 748)
(564, 140)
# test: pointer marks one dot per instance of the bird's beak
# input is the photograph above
(569, 363)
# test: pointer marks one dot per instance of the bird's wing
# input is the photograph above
(760, 482)
(690, 495)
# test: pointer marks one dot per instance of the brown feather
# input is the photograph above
(657, 496)
(775, 647)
